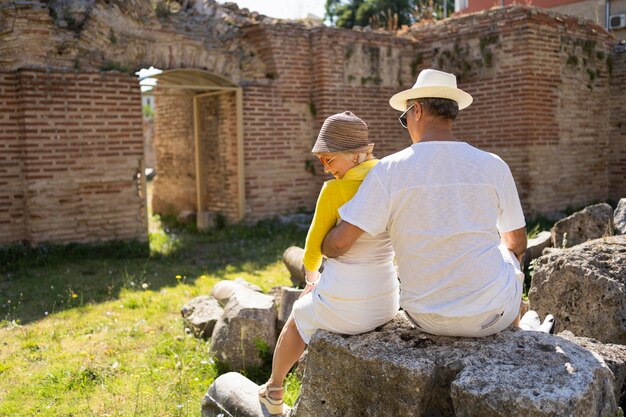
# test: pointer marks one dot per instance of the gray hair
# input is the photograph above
(442, 108)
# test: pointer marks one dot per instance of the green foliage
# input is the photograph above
(115, 66)
(376, 13)
(148, 112)
(162, 9)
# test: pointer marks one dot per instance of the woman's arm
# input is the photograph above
(324, 219)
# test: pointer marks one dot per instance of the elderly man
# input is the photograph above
(453, 214)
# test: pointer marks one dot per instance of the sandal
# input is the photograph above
(274, 406)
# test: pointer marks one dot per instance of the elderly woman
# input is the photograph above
(357, 291)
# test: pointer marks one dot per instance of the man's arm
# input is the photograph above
(516, 241)
(340, 239)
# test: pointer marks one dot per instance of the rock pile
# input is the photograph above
(400, 371)
(243, 323)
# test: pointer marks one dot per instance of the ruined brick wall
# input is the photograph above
(617, 107)
(12, 213)
(80, 151)
(278, 125)
(539, 84)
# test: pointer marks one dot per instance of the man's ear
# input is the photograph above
(418, 111)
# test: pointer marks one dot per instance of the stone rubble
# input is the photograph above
(201, 314)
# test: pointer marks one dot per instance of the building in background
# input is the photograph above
(609, 14)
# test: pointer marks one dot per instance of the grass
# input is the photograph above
(95, 332)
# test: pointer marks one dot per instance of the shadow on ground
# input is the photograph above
(49, 279)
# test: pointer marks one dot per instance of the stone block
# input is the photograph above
(293, 259)
(201, 314)
(590, 223)
(246, 331)
(397, 370)
(613, 355)
(287, 298)
(233, 394)
(584, 288)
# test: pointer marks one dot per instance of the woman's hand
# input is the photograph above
(306, 290)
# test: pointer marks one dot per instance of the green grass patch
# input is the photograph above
(92, 331)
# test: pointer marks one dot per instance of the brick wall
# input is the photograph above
(617, 153)
(81, 147)
(539, 81)
(12, 218)
(278, 125)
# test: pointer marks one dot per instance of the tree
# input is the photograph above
(389, 14)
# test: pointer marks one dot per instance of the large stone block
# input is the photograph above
(201, 314)
(293, 259)
(590, 223)
(397, 370)
(613, 355)
(288, 296)
(619, 217)
(584, 288)
(246, 330)
(233, 394)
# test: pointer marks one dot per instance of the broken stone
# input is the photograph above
(293, 259)
(613, 355)
(397, 370)
(619, 217)
(245, 335)
(591, 223)
(287, 298)
(201, 314)
(233, 394)
(535, 247)
(223, 290)
(584, 288)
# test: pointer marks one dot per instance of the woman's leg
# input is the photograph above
(289, 348)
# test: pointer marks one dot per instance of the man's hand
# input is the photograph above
(340, 239)
(516, 241)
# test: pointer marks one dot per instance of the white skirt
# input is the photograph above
(349, 299)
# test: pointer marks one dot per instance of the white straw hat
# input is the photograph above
(432, 84)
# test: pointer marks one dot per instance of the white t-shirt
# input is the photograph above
(443, 204)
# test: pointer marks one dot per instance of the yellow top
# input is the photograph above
(334, 194)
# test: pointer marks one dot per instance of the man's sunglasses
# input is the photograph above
(402, 117)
